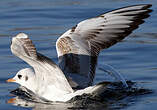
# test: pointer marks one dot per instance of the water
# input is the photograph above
(44, 21)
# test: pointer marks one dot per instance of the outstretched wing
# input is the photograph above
(79, 47)
(46, 71)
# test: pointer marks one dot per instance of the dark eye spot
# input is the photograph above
(19, 76)
(26, 78)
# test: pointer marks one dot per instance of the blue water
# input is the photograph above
(44, 21)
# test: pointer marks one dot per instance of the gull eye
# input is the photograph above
(19, 76)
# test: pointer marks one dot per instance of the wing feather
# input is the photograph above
(78, 46)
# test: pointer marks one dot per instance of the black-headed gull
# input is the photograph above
(77, 49)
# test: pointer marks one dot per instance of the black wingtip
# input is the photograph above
(147, 6)
(143, 7)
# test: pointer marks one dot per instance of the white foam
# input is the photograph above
(21, 35)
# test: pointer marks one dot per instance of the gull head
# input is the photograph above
(25, 77)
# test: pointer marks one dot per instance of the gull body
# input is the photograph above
(26, 77)
(77, 49)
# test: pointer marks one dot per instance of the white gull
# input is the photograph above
(77, 49)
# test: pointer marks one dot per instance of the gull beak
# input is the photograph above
(11, 80)
(10, 101)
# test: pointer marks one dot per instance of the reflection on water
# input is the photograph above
(45, 21)
(37, 106)
(57, 106)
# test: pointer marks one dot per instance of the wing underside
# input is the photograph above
(79, 47)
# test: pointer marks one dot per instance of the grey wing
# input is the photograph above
(79, 47)
(46, 71)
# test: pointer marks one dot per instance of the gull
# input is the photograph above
(77, 50)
